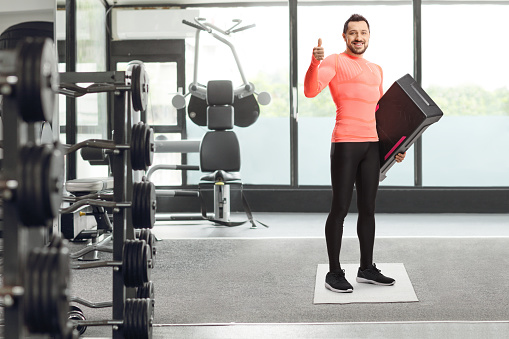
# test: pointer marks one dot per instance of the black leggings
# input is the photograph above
(359, 163)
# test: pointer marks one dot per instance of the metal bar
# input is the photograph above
(13, 234)
(119, 168)
(294, 125)
(196, 55)
(90, 304)
(418, 79)
(110, 77)
(177, 146)
(70, 66)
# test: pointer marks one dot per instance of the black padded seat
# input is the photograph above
(222, 176)
(220, 150)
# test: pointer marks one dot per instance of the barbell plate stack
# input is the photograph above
(40, 187)
(38, 80)
(146, 234)
(143, 207)
(142, 146)
(46, 285)
(137, 319)
(135, 263)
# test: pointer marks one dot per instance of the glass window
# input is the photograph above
(91, 57)
(263, 54)
(466, 75)
(390, 46)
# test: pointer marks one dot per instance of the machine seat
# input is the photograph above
(221, 176)
(89, 185)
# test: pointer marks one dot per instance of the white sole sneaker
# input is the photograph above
(329, 287)
(367, 281)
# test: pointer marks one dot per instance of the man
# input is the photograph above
(355, 86)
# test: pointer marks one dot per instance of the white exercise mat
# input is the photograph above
(401, 291)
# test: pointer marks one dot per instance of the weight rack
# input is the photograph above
(28, 82)
(126, 87)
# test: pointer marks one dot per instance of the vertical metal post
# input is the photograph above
(119, 169)
(70, 66)
(294, 122)
(418, 79)
(13, 233)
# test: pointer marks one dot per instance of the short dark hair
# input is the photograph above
(354, 17)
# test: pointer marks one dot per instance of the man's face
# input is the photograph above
(357, 37)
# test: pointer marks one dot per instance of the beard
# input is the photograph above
(357, 51)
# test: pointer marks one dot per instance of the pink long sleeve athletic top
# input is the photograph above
(355, 86)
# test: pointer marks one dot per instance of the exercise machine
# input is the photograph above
(219, 106)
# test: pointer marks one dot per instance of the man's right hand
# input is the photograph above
(318, 51)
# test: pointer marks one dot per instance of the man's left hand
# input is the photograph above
(400, 157)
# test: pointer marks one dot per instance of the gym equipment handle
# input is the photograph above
(189, 23)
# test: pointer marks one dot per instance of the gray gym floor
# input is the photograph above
(221, 282)
(310, 225)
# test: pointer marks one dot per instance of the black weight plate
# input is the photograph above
(53, 177)
(145, 263)
(49, 80)
(144, 82)
(24, 156)
(25, 195)
(149, 239)
(142, 146)
(140, 203)
(126, 262)
(42, 296)
(41, 158)
(246, 111)
(135, 161)
(149, 220)
(149, 148)
(129, 326)
(146, 234)
(145, 314)
(60, 288)
(146, 291)
(140, 269)
(37, 93)
(31, 283)
(135, 204)
(37, 199)
(136, 87)
(26, 78)
(74, 308)
(139, 147)
(139, 87)
(30, 199)
(197, 110)
(153, 204)
(77, 315)
(50, 292)
(143, 205)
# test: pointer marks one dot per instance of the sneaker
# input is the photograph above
(336, 282)
(372, 275)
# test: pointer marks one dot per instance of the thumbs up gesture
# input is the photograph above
(318, 51)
